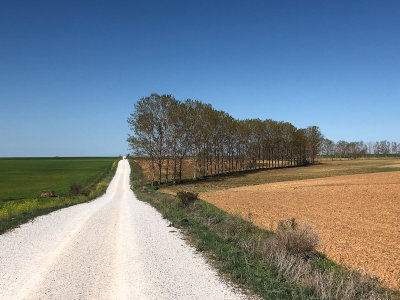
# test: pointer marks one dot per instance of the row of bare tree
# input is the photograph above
(167, 132)
(358, 149)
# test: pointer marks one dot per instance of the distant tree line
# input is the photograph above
(168, 131)
(359, 149)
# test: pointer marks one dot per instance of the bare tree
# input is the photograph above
(314, 141)
(394, 148)
(166, 131)
(370, 146)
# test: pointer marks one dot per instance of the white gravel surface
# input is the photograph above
(115, 247)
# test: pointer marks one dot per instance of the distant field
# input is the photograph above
(187, 169)
(357, 216)
(22, 178)
(324, 168)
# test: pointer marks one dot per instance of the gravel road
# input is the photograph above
(115, 247)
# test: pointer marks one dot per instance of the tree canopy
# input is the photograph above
(167, 130)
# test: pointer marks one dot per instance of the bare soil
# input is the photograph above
(357, 216)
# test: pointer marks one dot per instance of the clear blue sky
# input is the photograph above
(70, 71)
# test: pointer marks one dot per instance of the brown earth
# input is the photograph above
(357, 216)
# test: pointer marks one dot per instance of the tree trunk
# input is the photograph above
(174, 176)
(152, 172)
(159, 171)
(221, 166)
(180, 169)
(195, 166)
(167, 170)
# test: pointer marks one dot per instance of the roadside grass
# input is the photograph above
(16, 212)
(323, 168)
(257, 259)
(26, 178)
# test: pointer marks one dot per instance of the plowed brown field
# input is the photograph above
(357, 216)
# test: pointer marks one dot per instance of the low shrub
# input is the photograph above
(298, 239)
(101, 187)
(187, 198)
(77, 188)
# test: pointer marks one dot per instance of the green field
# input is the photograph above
(22, 178)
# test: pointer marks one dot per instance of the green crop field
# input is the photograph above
(22, 178)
